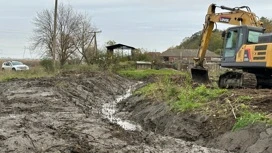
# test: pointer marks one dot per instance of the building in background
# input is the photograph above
(120, 50)
(143, 65)
(187, 55)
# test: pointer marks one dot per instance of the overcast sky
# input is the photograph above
(151, 24)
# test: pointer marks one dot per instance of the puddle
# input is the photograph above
(109, 109)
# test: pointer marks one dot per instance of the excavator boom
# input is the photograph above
(234, 16)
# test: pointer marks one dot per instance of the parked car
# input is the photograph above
(14, 65)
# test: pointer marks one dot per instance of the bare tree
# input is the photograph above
(85, 38)
(68, 27)
(43, 33)
(73, 33)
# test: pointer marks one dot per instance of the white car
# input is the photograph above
(14, 65)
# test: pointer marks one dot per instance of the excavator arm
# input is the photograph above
(234, 16)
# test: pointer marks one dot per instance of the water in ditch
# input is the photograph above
(109, 109)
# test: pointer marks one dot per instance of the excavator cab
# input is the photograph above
(234, 38)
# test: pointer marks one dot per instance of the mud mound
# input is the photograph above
(158, 117)
(252, 139)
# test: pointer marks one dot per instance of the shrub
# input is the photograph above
(47, 64)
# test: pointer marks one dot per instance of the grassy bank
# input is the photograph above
(143, 74)
(183, 96)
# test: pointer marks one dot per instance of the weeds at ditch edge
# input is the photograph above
(185, 97)
(180, 97)
(248, 118)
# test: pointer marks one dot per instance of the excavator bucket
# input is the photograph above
(200, 75)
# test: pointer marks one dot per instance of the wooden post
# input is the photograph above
(54, 33)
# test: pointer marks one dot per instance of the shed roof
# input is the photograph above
(143, 62)
(186, 52)
(119, 46)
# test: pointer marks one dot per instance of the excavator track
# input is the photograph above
(237, 80)
(249, 80)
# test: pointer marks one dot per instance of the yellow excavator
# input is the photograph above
(247, 50)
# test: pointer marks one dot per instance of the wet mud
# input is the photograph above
(68, 114)
(205, 130)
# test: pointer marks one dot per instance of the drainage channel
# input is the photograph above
(109, 110)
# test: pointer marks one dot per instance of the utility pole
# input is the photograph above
(54, 33)
(24, 52)
(95, 44)
(95, 41)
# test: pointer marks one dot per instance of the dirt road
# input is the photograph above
(64, 114)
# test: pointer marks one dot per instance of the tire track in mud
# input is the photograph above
(63, 114)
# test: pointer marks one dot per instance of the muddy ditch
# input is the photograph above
(210, 131)
(68, 114)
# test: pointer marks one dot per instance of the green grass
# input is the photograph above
(181, 98)
(143, 74)
(248, 118)
(147, 90)
(39, 71)
(184, 105)
(191, 98)
(243, 98)
(160, 90)
(32, 73)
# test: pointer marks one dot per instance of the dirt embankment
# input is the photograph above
(63, 114)
(211, 131)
